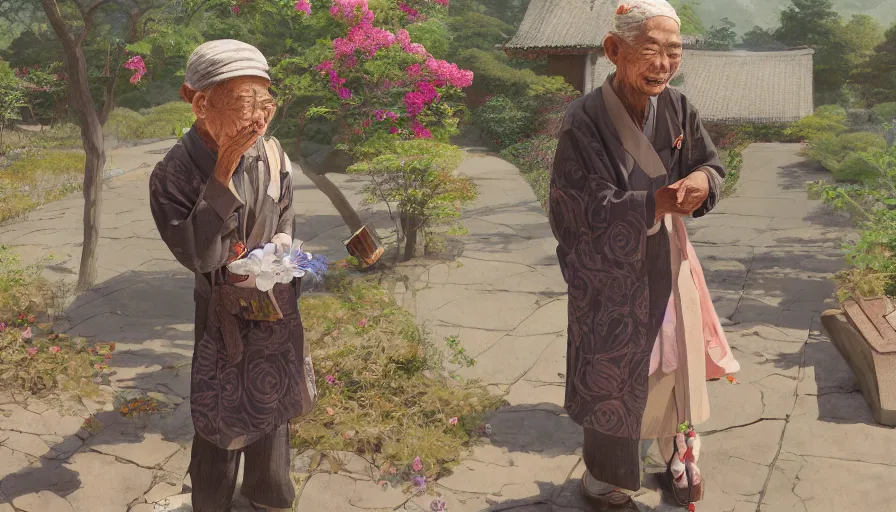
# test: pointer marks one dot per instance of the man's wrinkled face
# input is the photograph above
(649, 63)
(237, 104)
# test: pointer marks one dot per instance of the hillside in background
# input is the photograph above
(764, 13)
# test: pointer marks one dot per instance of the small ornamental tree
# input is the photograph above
(417, 182)
(370, 81)
(381, 82)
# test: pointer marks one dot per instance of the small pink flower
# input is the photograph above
(331, 380)
(417, 465)
(453, 421)
(235, 9)
(2, 326)
(27, 334)
(304, 6)
(32, 351)
(362, 323)
(55, 350)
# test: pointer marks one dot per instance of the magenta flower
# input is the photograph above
(393, 130)
(235, 9)
(420, 131)
(331, 380)
(417, 465)
(304, 6)
(344, 93)
(32, 351)
(136, 64)
(362, 322)
(2, 326)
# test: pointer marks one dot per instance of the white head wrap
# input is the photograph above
(216, 61)
(631, 15)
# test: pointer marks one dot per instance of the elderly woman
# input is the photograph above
(632, 160)
(223, 190)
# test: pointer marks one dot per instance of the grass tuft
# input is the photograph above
(383, 390)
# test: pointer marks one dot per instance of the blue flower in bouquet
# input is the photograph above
(304, 262)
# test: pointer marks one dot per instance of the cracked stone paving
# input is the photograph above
(794, 434)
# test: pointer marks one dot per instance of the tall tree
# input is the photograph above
(814, 23)
(876, 77)
(861, 35)
(721, 37)
(71, 35)
(761, 39)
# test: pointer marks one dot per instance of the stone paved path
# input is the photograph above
(782, 439)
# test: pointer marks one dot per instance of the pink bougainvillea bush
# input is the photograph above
(375, 81)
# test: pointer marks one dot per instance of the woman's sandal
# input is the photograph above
(615, 499)
(685, 497)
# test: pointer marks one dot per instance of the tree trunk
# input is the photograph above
(91, 136)
(316, 167)
(340, 202)
(410, 226)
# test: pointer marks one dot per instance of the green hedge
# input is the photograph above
(884, 112)
(161, 122)
(534, 158)
(839, 153)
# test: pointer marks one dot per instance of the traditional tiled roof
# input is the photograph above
(566, 26)
(742, 86)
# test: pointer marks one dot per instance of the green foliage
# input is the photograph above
(162, 122)
(828, 120)
(18, 285)
(473, 30)
(884, 112)
(383, 390)
(416, 180)
(760, 39)
(12, 98)
(872, 202)
(840, 153)
(504, 121)
(535, 159)
(36, 178)
(874, 78)
(721, 37)
(690, 20)
(494, 74)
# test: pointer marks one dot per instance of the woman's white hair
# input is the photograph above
(631, 15)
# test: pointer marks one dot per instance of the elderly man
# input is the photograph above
(223, 190)
(633, 158)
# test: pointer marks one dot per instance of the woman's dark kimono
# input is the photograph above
(244, 406)
(601, 207)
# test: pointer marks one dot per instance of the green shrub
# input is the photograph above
(827, 120)
(872, 203)
(161, 122)
(384, 391)
(884, 112)
(505, 121)
(168, 120)
(493, 73)
(123, 124)
(836, 153)
(535, 159)
(416, 179)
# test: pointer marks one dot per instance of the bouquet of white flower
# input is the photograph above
(273, 264)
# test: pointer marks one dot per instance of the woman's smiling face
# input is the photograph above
(647, 64)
